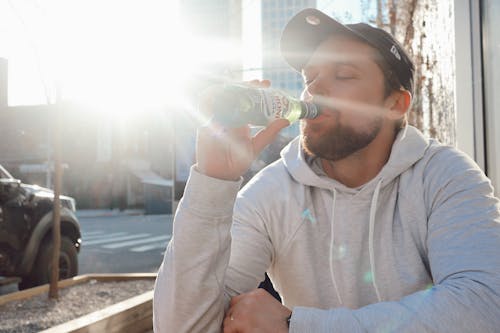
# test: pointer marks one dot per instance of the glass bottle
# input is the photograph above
(237, 105)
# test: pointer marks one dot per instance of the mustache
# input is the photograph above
(334, 105)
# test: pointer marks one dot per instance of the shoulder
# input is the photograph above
(448, 173)
(443, 172)
(442, 163)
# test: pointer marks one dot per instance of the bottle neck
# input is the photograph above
(309, 110)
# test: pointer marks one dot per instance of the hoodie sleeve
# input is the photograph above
(189, 290)
(463, 243)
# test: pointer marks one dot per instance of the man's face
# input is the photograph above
(343, 73)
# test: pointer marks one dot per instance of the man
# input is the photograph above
(362, 225)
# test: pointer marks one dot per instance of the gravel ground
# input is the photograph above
(39, 312)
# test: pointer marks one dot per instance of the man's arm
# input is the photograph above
(463, 246)
(189, 291)
(190, 288)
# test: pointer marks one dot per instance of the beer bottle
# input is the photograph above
(236, 105)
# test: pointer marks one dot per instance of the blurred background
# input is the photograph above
(125, 76)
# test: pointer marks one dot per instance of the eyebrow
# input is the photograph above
(336, 63)
(347, 63)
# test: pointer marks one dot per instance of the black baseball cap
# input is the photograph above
(310, 27)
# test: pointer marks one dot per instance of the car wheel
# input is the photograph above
(40, 274)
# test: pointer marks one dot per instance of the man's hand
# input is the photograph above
(256, 311)
(227, 153)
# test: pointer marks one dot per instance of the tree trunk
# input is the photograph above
(425, 28)
(56, 211)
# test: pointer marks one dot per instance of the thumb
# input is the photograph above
(267, 135)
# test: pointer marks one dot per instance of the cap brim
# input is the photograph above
(303, 34)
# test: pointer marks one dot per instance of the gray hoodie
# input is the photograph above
(416, 249)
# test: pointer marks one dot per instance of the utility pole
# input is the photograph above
(56, 212)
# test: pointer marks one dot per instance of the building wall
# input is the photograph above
(98, 153)
(274, 16)
(477, 83)
(491, 43)
(219, 20)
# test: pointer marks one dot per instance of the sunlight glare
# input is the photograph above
(123, 55)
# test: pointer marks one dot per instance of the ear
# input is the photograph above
(398, 103)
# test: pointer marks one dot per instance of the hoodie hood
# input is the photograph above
(409, 147)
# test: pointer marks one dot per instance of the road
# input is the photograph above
(123, 243)
(114, 242)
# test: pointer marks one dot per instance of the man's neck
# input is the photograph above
(362, 166)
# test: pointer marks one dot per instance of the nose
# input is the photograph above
(318, 87)
(321, 90)
(306, 95)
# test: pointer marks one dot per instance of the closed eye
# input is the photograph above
(345, 72)
(340, 77)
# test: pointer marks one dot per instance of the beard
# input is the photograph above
(338, 141)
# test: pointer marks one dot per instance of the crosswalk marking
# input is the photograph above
(135, 242)
(93, 233)
(114, 239)
(149, 247)
(102, 236)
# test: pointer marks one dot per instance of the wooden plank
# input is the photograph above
(134, 315)
(123, 276)
(23, 294)
(19, 295)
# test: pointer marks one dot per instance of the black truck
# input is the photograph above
(26, 232)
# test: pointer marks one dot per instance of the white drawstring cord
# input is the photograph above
(405, 129)
(332, 248)
(373, 211)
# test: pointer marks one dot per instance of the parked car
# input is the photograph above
(26, 232)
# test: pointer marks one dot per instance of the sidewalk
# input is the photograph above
(89, 213)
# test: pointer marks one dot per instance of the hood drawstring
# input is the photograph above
(373, 211)
(332, 248)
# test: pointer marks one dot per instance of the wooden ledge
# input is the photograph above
(134, 315)
(19, 295)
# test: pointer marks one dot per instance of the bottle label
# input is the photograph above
(275, 104)
(244, 105)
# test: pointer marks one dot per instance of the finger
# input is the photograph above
(238, 141)
(268, 134)
(265, 83)
(215, 134)
(227, 325)
(235, 300)
(241, 133)
(229, 322)
(259, 83)
(253, 83)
